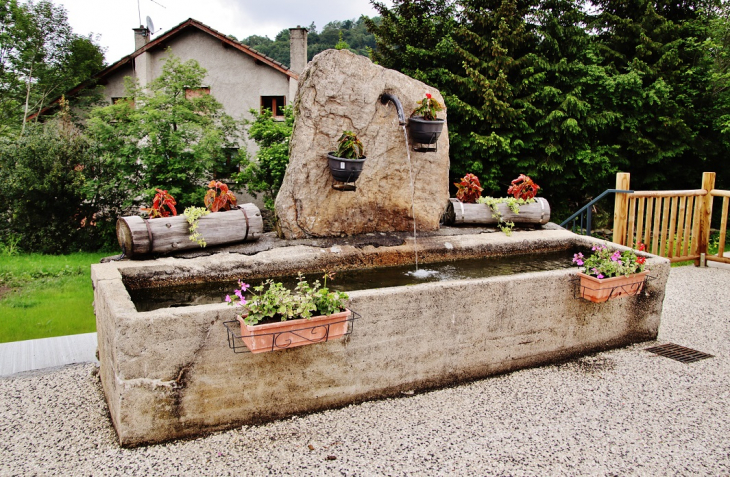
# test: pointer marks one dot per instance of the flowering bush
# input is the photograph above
(607, 263)
(428, 107)
(273, 300)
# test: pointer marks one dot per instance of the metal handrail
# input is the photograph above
(586, 210)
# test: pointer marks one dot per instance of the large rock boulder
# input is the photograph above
(341, 91)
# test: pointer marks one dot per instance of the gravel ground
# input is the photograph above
(622, 412)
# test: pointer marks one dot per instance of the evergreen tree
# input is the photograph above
(662, 89)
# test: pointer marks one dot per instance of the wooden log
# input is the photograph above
(138, 236)
(458, 213)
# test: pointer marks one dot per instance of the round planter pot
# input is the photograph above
(423, 131)
(345, 170)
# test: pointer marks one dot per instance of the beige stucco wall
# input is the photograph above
(235, 79)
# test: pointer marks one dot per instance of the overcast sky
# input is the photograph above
(114, 19)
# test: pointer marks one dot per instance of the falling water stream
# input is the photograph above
(413, 194)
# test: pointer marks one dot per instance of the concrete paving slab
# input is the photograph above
(19, 356)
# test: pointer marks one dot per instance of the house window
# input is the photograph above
(227, 165)
(274, 104)
(117, 99)
(191, 93)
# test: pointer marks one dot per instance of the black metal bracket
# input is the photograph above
(419, 147)
(282, 340)
(344, 186)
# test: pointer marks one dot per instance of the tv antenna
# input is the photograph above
(150, 25)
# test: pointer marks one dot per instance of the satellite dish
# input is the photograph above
(150, 25)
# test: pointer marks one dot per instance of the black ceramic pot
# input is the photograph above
(345, 170)
(424, 131)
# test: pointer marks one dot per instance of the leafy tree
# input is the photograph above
(41, 58)
(167, 135)
(353, 33)
(265, 173)
(44, 174)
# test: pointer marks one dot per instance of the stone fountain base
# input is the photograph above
(169, 373)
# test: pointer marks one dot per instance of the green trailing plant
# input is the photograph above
(349, 146)
(427, 108)
(193, 215)
(272, 300)
(469, 190)
(511, 202)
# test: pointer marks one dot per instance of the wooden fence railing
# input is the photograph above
(674, 224)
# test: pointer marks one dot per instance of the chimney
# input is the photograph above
(297, 49)
(141, 37)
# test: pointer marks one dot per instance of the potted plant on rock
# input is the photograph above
(275, 317)
(609, 274)
(425, 127)
(346, 162)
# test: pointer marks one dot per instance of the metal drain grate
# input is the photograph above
(679, 353)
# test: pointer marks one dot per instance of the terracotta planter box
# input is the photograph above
(599, 290)
(293, 333)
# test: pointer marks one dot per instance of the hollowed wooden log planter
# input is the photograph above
(138, 236)
(293, 333)
(599, 290)
(459, 213)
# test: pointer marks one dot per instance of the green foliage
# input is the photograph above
(272, 300)
(40, 58)
(342, 44)
(44, 174)
(349, 34)
(427, 108)
(192, 215)
(541, 87)
(511, 202)
(265, 173)
(609, 263)
(161, 138)
(349, 146)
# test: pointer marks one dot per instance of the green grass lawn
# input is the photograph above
(46, 295)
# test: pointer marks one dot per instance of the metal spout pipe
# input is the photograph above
(385, 97)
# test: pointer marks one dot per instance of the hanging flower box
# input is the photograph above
(289, 334)
(599, 290)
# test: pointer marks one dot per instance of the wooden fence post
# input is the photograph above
(703, 238)
(620, 208)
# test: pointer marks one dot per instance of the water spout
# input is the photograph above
(385, 97)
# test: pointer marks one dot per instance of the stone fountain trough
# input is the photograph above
(169, 373)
